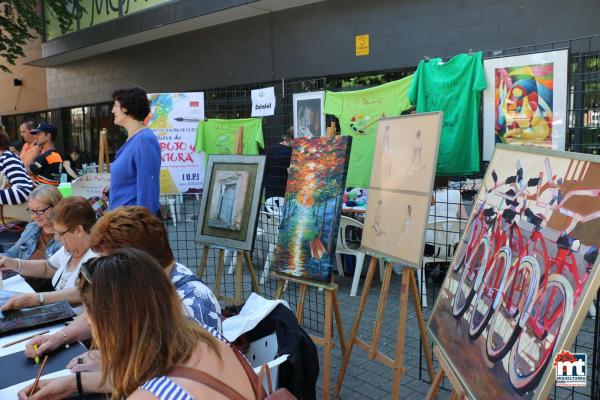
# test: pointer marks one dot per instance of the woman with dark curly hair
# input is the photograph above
(135, 172)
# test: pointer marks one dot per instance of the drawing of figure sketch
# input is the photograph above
(386, 153)
(377, 224)
(406, 224)
(416, 162)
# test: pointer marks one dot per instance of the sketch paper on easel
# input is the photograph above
(405, 152)
(400, 232)
(401, 183)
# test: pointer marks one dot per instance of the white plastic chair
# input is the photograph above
(274, 205)
(174, 201)
(343, 246)
(269, 229)
(444, 235)
(263, 351)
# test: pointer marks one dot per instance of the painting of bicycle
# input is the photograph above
(524, 275)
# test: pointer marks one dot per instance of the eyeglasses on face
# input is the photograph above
(58, 234)
(38, 212)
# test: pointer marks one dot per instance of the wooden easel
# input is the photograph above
(332, 308)
(457, 392)
(103, 152)
(409, 284)
(242, 255)
(239, 284)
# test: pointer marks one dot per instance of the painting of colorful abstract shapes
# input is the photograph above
(524, 275)
(524, 104)
(313, 205)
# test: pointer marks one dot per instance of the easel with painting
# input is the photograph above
(408, 288)
(332, 309)
(398, 208)
(458, 392)
(240, 257)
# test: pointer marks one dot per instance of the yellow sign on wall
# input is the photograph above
(362, 45)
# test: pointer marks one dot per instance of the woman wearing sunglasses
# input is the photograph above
(73, 219)
(155, 348)
(37, 240)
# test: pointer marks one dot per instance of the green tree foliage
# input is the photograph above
(20, 22)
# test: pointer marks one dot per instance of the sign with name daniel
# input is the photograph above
(263, 102)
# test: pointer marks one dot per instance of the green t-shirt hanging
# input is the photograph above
(217, 136)
(358, 112)
(453, 87)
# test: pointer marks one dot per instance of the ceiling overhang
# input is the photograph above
(157, 23)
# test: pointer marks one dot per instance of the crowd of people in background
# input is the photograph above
(100, 265)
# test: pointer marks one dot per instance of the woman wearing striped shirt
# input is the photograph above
(16, 184)
(143, 342)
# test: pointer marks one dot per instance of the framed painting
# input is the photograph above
(524, 275)
(230, 201)
(309, 118)
(313, 207)
(402, 177)
(525, 101)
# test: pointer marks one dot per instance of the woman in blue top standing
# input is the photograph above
(135, 172)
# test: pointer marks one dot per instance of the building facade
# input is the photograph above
(227, 47)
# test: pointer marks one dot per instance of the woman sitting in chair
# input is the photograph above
(155, 350)
(37, 240)
(73, 219)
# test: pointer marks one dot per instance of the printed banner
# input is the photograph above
(173, 118)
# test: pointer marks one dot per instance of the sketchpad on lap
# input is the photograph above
(17, 368)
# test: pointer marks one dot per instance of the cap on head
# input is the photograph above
(48, 128)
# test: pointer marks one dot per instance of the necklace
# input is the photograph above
(62, 282)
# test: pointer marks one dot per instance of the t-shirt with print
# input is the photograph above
(198, 300)
(217, 136)
(453, 87)
(46, 168)
(358, 112)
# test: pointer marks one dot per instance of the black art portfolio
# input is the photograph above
(28, 318)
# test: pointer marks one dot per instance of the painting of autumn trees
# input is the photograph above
(313, 206)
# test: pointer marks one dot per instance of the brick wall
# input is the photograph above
(31, 96)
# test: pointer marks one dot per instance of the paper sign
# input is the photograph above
(263, 102)
(362, 45)
(90, 185)
(174, 118)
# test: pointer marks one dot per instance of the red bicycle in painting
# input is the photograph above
(488, 254)
(539, 298)
(561, 285)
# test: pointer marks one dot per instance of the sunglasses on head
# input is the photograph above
(87, 269)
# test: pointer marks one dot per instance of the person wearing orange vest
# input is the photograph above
(47, 167)
(30, 149)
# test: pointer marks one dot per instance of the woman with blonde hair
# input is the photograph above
(37, 240)
(156, 350)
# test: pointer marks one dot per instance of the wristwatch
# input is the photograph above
(41, 298)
